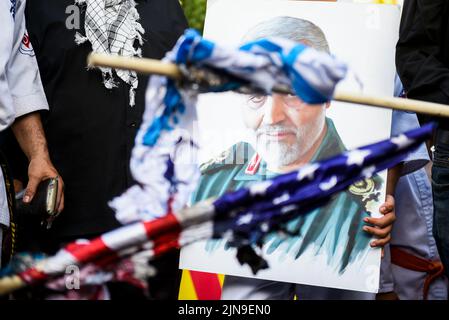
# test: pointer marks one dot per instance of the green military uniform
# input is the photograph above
(337, 223)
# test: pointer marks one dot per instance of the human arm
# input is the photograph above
(28, 98)
(31, 138)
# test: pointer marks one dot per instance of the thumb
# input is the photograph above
(33, 182)
(389, 204)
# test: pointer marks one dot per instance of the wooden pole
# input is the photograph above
(151, 66)
(433, 109)
(140, 65)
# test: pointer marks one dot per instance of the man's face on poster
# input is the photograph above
(287, 130)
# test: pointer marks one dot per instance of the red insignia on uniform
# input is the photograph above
(26, 40)
(253, 165)
(25, 46)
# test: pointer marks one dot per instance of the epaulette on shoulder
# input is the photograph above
(235, 155)
(367, 192)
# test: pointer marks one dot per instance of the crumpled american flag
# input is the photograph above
(155, 210)
(112, 27)
(243, 217)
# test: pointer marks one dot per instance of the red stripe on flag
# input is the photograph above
(94, 249)
(166, 247)
(160, 226)
(207, 285)
(166, 243)
(32, 275)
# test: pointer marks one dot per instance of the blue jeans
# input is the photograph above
(440, 187)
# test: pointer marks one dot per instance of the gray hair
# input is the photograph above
(291, 28)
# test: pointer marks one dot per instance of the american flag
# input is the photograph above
(244, 217)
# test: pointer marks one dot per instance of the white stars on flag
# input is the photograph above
(401, 141)
(245, 219)
(368, 172)
(308, 171)
(326, 186)
(357, 157)
(259, 188)
(283, 198)
(264, 227)
(286, 209)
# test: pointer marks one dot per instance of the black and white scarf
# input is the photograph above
(112, 27)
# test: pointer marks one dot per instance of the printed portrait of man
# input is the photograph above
(289, 133)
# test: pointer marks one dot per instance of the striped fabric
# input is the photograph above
(244, 217)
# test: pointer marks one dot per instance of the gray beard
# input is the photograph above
(278, 154)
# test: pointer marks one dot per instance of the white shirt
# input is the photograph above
(21, 89)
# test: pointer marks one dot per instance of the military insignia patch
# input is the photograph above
(367, 191)
(253, 165)
(25, 46)
(362, 187)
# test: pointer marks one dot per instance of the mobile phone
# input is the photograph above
(44, 202)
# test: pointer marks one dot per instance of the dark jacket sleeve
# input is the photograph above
(421, 53)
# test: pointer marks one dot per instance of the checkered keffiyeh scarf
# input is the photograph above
(112, 27)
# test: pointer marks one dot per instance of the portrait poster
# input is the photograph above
(364, 36)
